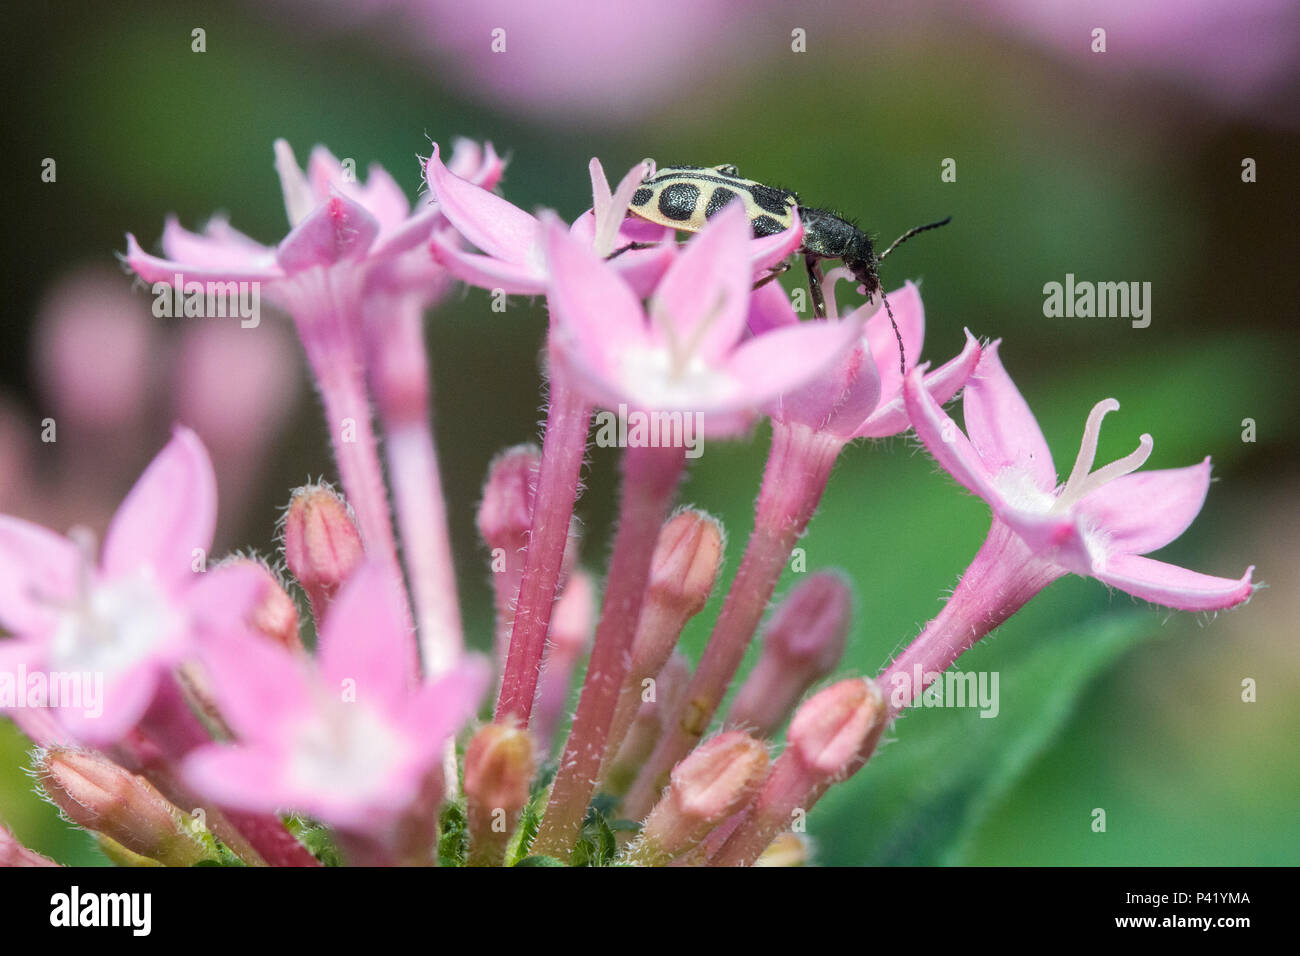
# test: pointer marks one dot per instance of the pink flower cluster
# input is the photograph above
(211, 698)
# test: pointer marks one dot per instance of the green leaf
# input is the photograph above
(597, 845)
(453, 835)
(539, 861)
(529, 821)
(922, 797)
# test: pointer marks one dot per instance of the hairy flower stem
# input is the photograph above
(563, 449)
(399, 379)
(168, 732)
(331, 337)
(650, 479)
(798, 468)
(1001, 579)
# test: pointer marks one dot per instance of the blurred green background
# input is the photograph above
(1111, 174)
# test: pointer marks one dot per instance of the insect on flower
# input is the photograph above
(686, 197)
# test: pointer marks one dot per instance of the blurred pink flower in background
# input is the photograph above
(1234, 53)
(113, 379)
(581, 61)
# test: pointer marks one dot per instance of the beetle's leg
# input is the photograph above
(772, 274)
(631, 246)
(813, 264)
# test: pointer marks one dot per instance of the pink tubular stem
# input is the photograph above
(1001, 579)
(563, 449)
(400, 382)
(650, 479)
(798, 468)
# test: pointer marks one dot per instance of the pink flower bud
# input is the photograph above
(97, 794)
(275, 616)
(836, 729)
(802, 644)
(831, 735)
(714, 782)
(13, 853)
(788, 849)
(506, 511)
(498, 771)
(322, 545)
(686, 560)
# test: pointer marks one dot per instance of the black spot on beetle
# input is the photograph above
(721, 196)
(642, 196)
(769, 199)
(678, 200)
(765, 226)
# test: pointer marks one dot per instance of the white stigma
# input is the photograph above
(1083, 481)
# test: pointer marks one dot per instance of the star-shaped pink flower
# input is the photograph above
(513, 243)
(690, 349)
(350, 740)
(1100, 522)
(131, 617)
(861, 395)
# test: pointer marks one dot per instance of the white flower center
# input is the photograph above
(662, 379)
(113, 625)
(346, 750)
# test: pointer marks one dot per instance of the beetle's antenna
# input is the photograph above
(910, 233)
(902, 359)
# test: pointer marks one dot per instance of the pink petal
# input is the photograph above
(1172, 586)
(493, 225)
(909, 313)
(223, 599)
(409, 233)
(241, 778)
(479, 165)
(1054, 537)
(945, 441)
(1145, 510)
(259, 686)
(439, 710)
(592, 310)
(366, 639)
(769, 251)
(126, 698)
(783, 360)
(487, 272)
(38, 569)
(839, 399)
(337, 230)
(171, 511)
(704, 295)
(154, 269)
(770, 308)
(890, 417)
(1000, 424)
(219, 247)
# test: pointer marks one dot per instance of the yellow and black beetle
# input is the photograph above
(686, 197)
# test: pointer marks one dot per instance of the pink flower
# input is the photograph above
(130, 618)
(351, 741)
(1098, 523)
(334, 219)
(513, 243)
(690, 350)
(861, 395)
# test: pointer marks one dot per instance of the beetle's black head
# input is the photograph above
(860, 259)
